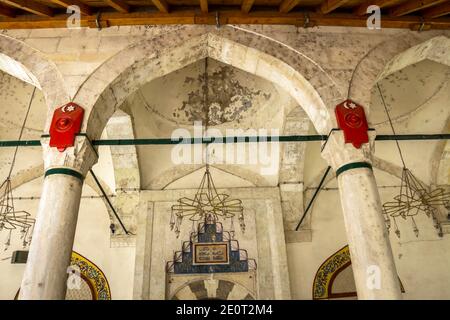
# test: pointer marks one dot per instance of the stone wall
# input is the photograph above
(263, 239)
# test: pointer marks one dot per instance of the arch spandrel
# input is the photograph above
(108, 87)
(32, 65)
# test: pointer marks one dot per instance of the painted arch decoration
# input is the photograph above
(323, 281)
(94, 285)
(333, 268)
(93, 276)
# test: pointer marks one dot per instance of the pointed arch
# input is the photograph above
(25, 63)
(381, 60)
(108, 87)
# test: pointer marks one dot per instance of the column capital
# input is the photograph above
(76, 160)
(338, 153)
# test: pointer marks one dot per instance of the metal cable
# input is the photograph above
(314, 197)
(206, 107)
(109, 202)
(392, 126)
(20, 134)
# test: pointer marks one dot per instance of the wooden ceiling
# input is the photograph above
(412, 14)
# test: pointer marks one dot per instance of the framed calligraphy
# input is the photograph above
(211, 253)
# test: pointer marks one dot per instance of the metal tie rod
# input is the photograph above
(242, 139)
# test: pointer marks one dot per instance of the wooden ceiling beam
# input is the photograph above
(247, 5)
(412, 6)
(288, 5)
(331, 5)
(437, 11)
(30, 6)
(226, 17)
(204, 5)
(6, 11)
(84, 8)
(118, 5)
(362, 8)
(162, 5)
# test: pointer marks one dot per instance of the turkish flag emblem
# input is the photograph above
(351, 119)
(66, 124)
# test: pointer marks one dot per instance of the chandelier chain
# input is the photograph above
(206, 107)
(391, 124)
(207, 205)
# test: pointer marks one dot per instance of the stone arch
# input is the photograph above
(440, 175)
(125, 160)
(440, 167)
(293, 153)
(108, 87)
(164, 179)
(120, 126)
(398, 54)
(291, 169)
(33, 67)
(204, 290)
(380, 58)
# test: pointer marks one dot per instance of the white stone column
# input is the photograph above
(51, 246)
(142, 269)
(370, 250)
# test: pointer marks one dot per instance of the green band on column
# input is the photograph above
(66, 171)
(354, 165)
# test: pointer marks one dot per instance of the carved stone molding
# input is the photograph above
(81, 157)
(338, 153)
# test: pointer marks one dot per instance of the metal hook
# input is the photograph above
(422, 24)
(307, 20)
(97, 21)
(217, 20)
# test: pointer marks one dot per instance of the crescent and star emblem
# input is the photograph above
(351, 106)
(67, 108)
